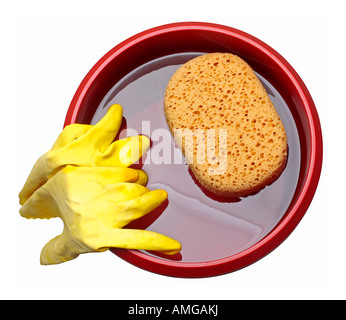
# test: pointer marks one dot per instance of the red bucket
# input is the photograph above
(208, 246)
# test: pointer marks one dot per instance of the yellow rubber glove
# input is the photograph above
(86, 145)
(95, 203)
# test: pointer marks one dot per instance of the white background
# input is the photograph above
(46, 50)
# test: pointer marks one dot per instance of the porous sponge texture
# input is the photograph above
(220, 91)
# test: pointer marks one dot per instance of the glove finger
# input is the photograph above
(136, 239)
(103, 175)
(134, 149)
(103, 133)
(112, 119)
(124, 152)
(61, 249)
(142, 177)
(138, 207)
